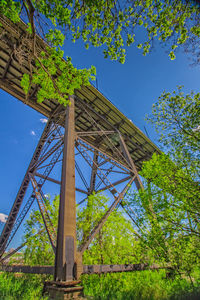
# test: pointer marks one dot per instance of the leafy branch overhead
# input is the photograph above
(111, 24)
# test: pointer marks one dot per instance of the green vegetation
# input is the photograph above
(117, 242)
(167, 211)
(140, 285)
(147, 285)
(22, 287)
(112, 25)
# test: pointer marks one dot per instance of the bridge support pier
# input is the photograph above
(58, 290)
(65, 284)
(105, 153)
(66, 238)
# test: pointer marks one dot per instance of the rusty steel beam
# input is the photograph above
(7, 66)
(81, 191)
(102, 154)
(87, 133)
(98, 227)
(112, 126)
(115, 171)
(109, 116)
(45, 216)
(94, 128)
(98, 172)
(66, 237)
(47, 155)
(21, 193)
(103, 269)
(57, 182)
(47, 165)
(115, 183)
(108, 171)
(7, 86)
(107, 140)
(6, 257)
(80, 103)
(47, 178)
(81, 176)
(87, 269)
(46, 173)
(27, 269)
(102, 176)
(82, 201)
(129, 159)
(93, 172)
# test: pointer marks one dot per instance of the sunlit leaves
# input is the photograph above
(105, 23)
(11, 9)
(56, 78)
(176, 117)
(168, 209)
(172, 55)
(39, 250)
(25, 83)
(112, 25)
(55, 37)
(115, 243)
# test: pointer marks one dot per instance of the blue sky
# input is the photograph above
(132, 87)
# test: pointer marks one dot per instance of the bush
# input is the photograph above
(22, 287)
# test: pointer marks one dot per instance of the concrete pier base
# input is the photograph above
(60, 290)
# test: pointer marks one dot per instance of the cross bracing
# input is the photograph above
(91, 128)
(102, 110)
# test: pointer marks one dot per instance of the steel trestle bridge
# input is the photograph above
(91, 128)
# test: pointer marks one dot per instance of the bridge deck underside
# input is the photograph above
(101, 109)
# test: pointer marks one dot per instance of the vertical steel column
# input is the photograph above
(66, 238)
(93, 172)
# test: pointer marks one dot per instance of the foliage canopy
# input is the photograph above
(111, 24)
(168, 210)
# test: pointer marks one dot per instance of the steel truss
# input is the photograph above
(105, 160)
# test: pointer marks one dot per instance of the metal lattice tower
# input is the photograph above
(92, 128)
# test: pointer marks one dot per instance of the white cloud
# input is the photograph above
(43, 120)
(3, 218)
(32, 133)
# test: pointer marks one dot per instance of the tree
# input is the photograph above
(39, 250)
(114, 244)
(172, 186)
(111, 24)
(177, 120)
